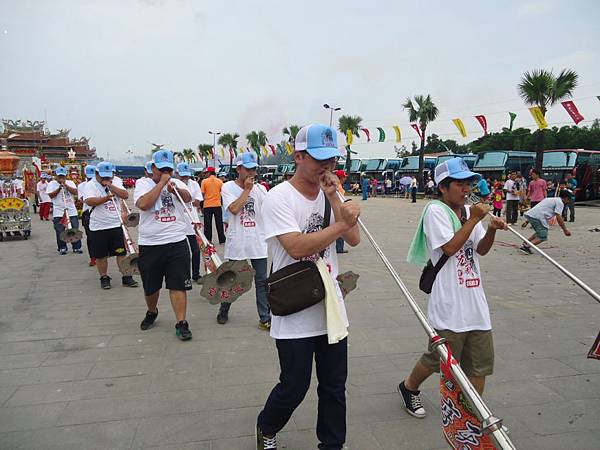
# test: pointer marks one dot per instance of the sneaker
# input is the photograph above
(198, 280)
(222, 317)
(63, 251)
(128, 281)
(265, 442)
(525, 249)
(412, 401)
(92, 262)
(182, 330)
(105, 282)
(149, 320)
(78, 251)
(266, 326)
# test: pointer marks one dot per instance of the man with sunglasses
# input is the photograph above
(103, 194)
(163, 247)
(293, 217)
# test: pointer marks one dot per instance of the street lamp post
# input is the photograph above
(331, 110)
(215, 158)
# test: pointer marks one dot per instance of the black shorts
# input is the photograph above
(168, 261)
(104, 243)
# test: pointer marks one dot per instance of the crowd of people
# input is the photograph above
(306, 218)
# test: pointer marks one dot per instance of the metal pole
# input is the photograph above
(489, 423)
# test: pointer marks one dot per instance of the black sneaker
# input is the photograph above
(265, 442)
(222, 317)
(525, 249)
(412, 401)
(105, 282)
(78, 251)
(149, 319)
(128, 281)
(182, 330)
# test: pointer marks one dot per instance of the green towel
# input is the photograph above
(417, 253)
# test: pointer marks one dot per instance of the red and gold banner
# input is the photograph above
(461, 127)
(483, 122)
(367, 133)
(417, 129)
(538, 116)
(573, 111)
(273, 150)
(398, 133)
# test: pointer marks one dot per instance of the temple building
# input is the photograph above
(30, 139)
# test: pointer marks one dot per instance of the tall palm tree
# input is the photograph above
(352, 124)
(543, 89)
(188, 155)
(291, 132)
(205, 151)
(255, 140)
(229, 140)
(423, 111)
(178, 157)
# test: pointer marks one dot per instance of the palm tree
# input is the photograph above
(205, 150)
(256, 139)
(423, 111)
(178, 156)
(229, 140)
(291, 132)
(352, 124)
(188, 155)
(542, 89)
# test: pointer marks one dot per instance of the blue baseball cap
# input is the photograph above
(105, 169)
(90, 171)
(248, 160)
(319, 141)
(148, 166)
(60, 171)
(454, 168)
(163, 158)
(183, 169)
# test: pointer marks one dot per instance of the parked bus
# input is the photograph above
(469, 159)
(130, 171)
(497, 164)
(391, 168)
(410, 166)
(584, 165)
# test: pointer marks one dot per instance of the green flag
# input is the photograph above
(381, 134)
(512, 119)
(598, 97)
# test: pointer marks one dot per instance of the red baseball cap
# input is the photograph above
(340, 173)
(210, 169)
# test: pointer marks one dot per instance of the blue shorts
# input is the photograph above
(540, 229)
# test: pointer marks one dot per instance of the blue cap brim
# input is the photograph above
(185, 174)
(323, 153)
(108, 174)
(466, 174)
(250, 165)
(163, 164)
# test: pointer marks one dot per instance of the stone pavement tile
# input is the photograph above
(161, 333)
(579, 387)
(226, 376)
(50, 345)
(6, 393)
(194, 446)
(528, 369)
(135, 406)
(22, 361)
(124, 368)
(20, 418)
(18, 336)
(164, 381)
(35, 375)
(79, 390)
(239, 443)
(582, 440)
(369, 364)
(231, 359)
(140, 351)
(413, 433)
(522, 392)
(581, 363)
(97, 436)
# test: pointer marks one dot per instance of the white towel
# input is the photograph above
(336, 326)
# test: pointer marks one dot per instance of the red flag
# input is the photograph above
(573, 111)
(367, 132)
(483, 122)
(417, 129)
(231, 153)
(272, 147)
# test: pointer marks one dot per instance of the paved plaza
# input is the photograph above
(76, 372)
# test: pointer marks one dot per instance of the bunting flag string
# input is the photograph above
(367, 133)
(272, 147)
(417, 129)
(483, 122)
(381, 134)
(461, 127)
(512, 116)
(289, 148)
(349, 137)
(398, 133)
(539, 118)
(573, 111)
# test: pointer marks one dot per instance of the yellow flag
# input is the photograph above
(222, 151)
(398, 133)
(349, 137)
(539, 118)
(264, 150)
(288, 148)
(461, 127)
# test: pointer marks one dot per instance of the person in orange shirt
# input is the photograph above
(211, 191)
(339, 242)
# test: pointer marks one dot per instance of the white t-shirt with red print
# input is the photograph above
(285, 210)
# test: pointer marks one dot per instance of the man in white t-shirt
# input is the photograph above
(243, 199)
(90, 173)
(457, 307)
(63, 192)
(163, 247)
(512, 198)
(292, 216)
(43, 197)
(103, 195)
(184, 173)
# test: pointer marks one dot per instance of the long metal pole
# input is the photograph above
(493, 424)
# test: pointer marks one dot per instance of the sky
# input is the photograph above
(128, 73)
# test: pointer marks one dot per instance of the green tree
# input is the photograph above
(229, 140)
(291, 132)
(205, 150)
(349, 124)
(543, 89)
(423, 111)
(188, 155)
(178, 157)
(256, 139)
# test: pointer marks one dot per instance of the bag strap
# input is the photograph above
(438, 266)
(326, 220)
